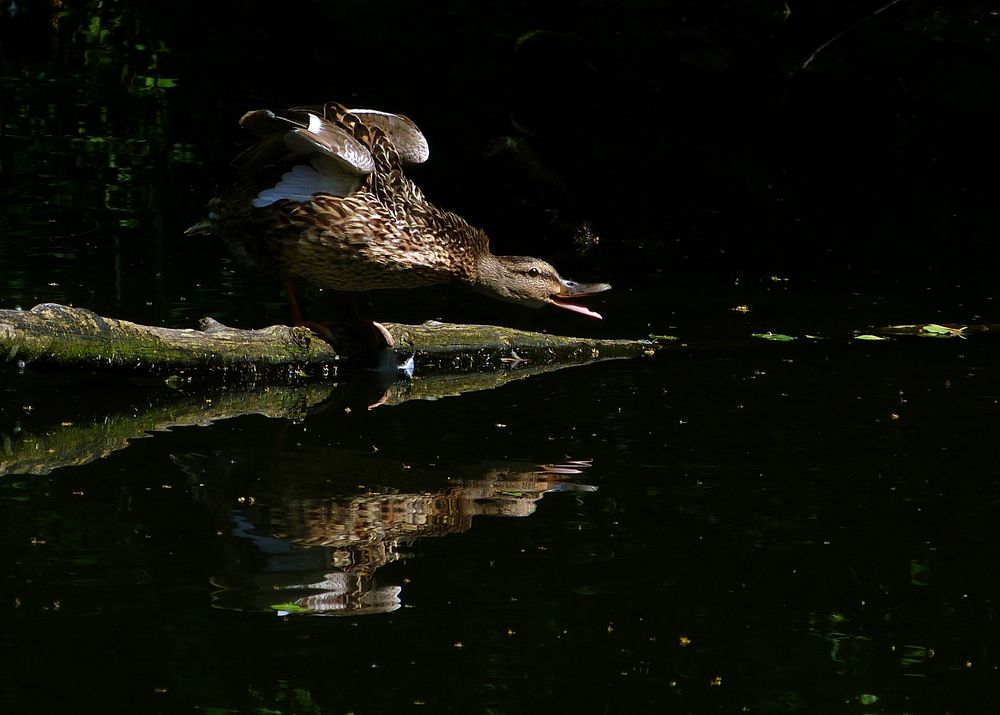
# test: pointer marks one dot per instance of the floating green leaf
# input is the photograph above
(870, 337)
(777, 337)
(935, 329)
(289, 608)
(941, 331)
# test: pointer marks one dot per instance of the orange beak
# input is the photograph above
(572, 289)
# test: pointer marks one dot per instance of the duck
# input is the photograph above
(322, 199)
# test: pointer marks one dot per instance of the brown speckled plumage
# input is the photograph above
(378, 231)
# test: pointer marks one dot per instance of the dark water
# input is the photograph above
(732, 526)
(764, 534)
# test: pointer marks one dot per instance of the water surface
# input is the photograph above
(730, 526)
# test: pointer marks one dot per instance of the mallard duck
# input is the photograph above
(322, 199)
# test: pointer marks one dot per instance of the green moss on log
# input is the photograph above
(62, 336)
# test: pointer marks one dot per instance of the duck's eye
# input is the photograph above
(533, 272)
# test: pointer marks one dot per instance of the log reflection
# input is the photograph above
(305, 526)
(48, 424)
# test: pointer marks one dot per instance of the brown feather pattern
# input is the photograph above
(385, 235)
(382, 234)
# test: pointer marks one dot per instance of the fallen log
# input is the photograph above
(62, 336)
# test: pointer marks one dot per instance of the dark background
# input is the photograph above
(689, 134)
(799, 527)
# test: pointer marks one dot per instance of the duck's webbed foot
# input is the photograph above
(353, 336)
(322, 330)
(384, 334)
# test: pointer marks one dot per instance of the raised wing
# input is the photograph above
(301, 133)
(409, 141)
(326, 158)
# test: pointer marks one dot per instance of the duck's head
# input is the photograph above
(534, 283)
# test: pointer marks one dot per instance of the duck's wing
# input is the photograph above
(409, 141)
(301, 133)
(326, 158)
(406, 137)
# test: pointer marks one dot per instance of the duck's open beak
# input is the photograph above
(572, 289)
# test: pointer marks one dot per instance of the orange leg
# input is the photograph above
(383, 337)
(321, 329)
(375, 335)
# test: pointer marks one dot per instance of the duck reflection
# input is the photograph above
(304, 553)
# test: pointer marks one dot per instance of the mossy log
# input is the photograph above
(56, 335)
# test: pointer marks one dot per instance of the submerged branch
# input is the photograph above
(854, 26)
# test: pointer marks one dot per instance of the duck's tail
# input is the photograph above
(208, 226)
